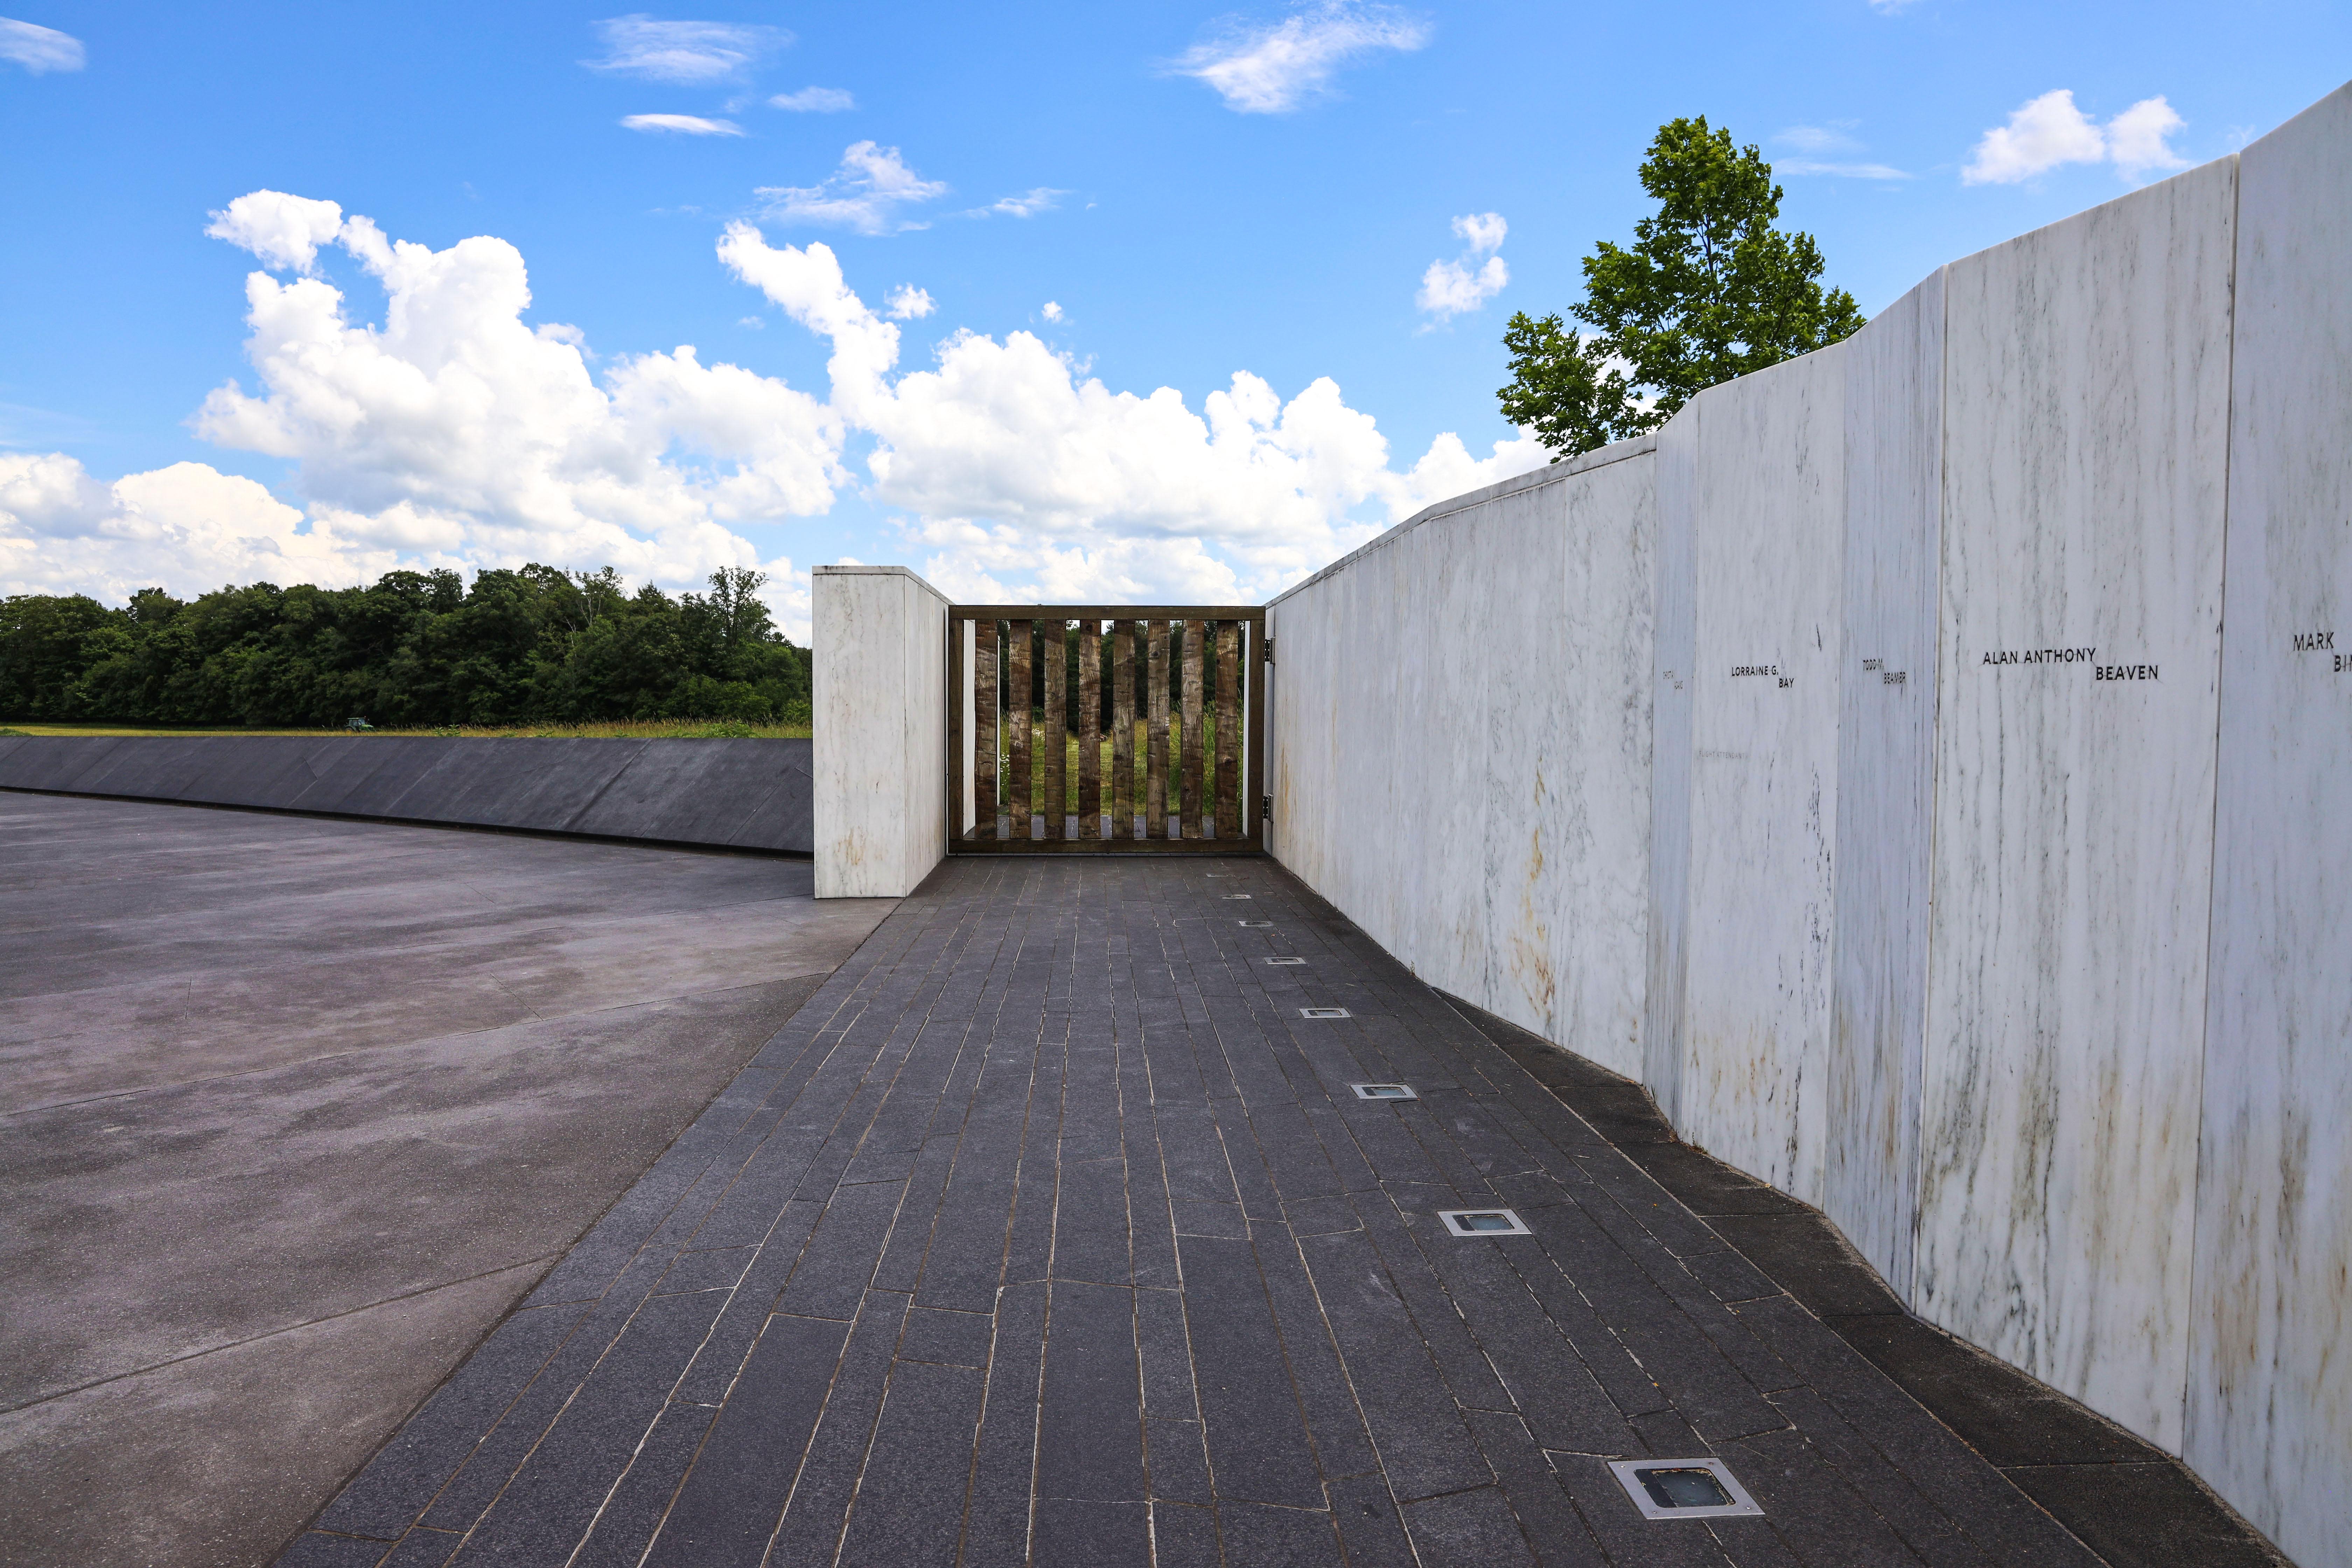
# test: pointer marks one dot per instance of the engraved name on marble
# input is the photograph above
(2040, 655)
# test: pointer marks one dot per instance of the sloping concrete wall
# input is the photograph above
(740, 794)
(1949, 775)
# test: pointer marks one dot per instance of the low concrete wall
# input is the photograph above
(738, 794)
(1898, 876)
(879, 681)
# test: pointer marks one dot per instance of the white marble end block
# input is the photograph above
(879, 754)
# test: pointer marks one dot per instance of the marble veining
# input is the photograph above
(1491, 830)
(2269, 1382)
(2085, 419)
(1887, 707)
(878, 757)
(1670, 768)
(1767, 533)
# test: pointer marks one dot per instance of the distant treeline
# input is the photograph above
(416, 648)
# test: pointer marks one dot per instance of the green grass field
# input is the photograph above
(1070, 768)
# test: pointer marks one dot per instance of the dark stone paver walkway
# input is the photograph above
(1051, 1232)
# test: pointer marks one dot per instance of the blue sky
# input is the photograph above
(1094, 203)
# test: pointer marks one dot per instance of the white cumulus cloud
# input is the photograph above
(1273, 67)
(39, 49)
(2052, 130)
(688, 52)
(1051, 311)
(455, 432)
(681, 124)
(1026, 479)
(814, 100)
(284, 231)
(2137, 139)
(866, 194)
(1450, 289)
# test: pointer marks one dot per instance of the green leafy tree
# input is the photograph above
(1709, 290)
(414, 648)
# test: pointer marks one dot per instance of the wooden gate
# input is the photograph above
(1094, 728)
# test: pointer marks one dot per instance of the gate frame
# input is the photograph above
(1255, 659)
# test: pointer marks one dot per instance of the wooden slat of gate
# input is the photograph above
(1053, 647)
(1155, 757)
(1089, 729)
(1122, 730)
(986, 683)
(1229, 729)
(1016, 708)
(1194, 642)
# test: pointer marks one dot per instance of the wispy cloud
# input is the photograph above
(1028, 203)
(866, 194)
(1843, 170)
(1450, 289)
(1835, 136)
(39, 49)
(814, 100)
(2052, 130)
(1273, 67)
(682, 124)
(638, 44)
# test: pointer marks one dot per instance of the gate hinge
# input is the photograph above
(1265, 808)
(1267, 644)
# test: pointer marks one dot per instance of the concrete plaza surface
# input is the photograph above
(292, 1112)
(1051, 1231)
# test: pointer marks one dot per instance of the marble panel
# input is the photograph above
(1494, 836)
(1768, 531)
(2085, 418)
(1673, 648)
(2269, 1368)
(878, 757)
(1886, 710)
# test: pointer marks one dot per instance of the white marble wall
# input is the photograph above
(2086, 423)
(1491, 829)
(1672, 676)
(878, 679)
(1767, 537)
(1886, 707)
(2269, 1367)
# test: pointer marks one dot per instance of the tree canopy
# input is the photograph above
(1709, 290)
(533, 646)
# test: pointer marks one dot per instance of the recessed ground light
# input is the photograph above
(1484, 1222)
(1383, 1091)
(1325, 1013)
(1684, 1488)
(1254, 925)
(1279, 961)
(1231, 897)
